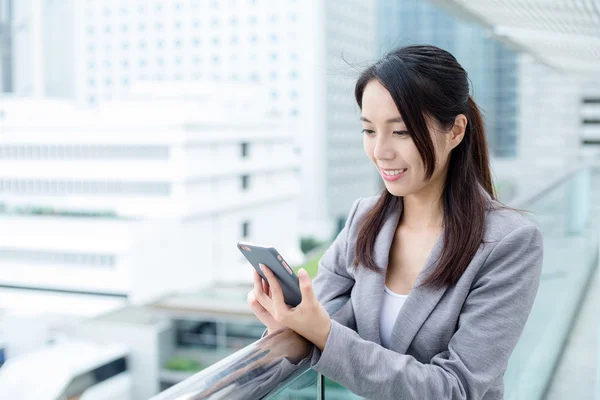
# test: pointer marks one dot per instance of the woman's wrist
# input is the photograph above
(323, 335)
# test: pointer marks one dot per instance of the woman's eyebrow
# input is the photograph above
(391, 120)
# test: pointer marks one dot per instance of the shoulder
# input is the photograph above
(363, 205)
(513, 247)
(359, 209)
(506, 223)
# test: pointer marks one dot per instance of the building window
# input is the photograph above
(245, 182)
(246, 229)
(244, 147)
(51, 257)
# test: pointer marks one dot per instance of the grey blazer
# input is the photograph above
(452, 343)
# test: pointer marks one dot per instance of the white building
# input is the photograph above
(298, 50)
(140, 197)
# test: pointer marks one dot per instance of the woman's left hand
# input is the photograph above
(308, 319)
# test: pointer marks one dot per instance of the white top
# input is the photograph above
(391, 305)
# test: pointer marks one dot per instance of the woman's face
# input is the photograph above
(391, 148)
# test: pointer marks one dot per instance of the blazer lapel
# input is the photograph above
(418, 305)
(370, 291)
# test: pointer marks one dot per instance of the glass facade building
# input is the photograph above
(491, 65)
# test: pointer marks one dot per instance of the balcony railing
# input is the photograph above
(276, 366)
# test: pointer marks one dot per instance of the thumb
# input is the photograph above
(305, 283)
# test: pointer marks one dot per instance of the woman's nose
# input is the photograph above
(383, 150)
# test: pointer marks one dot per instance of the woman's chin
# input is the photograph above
(396, 190)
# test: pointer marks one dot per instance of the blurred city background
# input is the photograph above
(141, 139)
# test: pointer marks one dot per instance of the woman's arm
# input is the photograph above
(333, 283)
(490, 323)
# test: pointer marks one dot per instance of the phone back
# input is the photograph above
(257, 254)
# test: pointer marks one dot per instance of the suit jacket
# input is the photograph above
(451, 343)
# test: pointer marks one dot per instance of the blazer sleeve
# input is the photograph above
(333, 283)
(490, 323)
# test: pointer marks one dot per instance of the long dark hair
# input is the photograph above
(426, 80)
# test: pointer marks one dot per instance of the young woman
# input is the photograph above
(441, 276)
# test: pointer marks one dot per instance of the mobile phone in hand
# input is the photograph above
(270, 257)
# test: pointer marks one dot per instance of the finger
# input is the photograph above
(279, 309)
(275, 289)
(262, 297)
(255, 304)
(266, 288)
(306, 288)
(258, 286)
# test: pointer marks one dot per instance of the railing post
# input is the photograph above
(598, 334)
(320, 387)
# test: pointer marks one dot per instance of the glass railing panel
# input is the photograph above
(308, 388)
(570, 255)
(569, 225)
(302, 387)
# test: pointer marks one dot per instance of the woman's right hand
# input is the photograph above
(261, 288)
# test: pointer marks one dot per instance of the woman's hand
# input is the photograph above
(308, 319)
(261, 289)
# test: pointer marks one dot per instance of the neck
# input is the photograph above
(424, 210)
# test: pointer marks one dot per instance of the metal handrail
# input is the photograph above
(525, 199)
(257, 371)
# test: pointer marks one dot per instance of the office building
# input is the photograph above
(301, 52)
(492, 66)
(140, 197)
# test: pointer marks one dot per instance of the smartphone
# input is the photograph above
(257, 254)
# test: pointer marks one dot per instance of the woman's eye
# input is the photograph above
(369, 132)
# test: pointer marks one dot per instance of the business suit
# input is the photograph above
(450, 343)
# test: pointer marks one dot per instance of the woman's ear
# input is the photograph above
(457, 133)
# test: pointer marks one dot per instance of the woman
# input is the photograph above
(441, 277)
